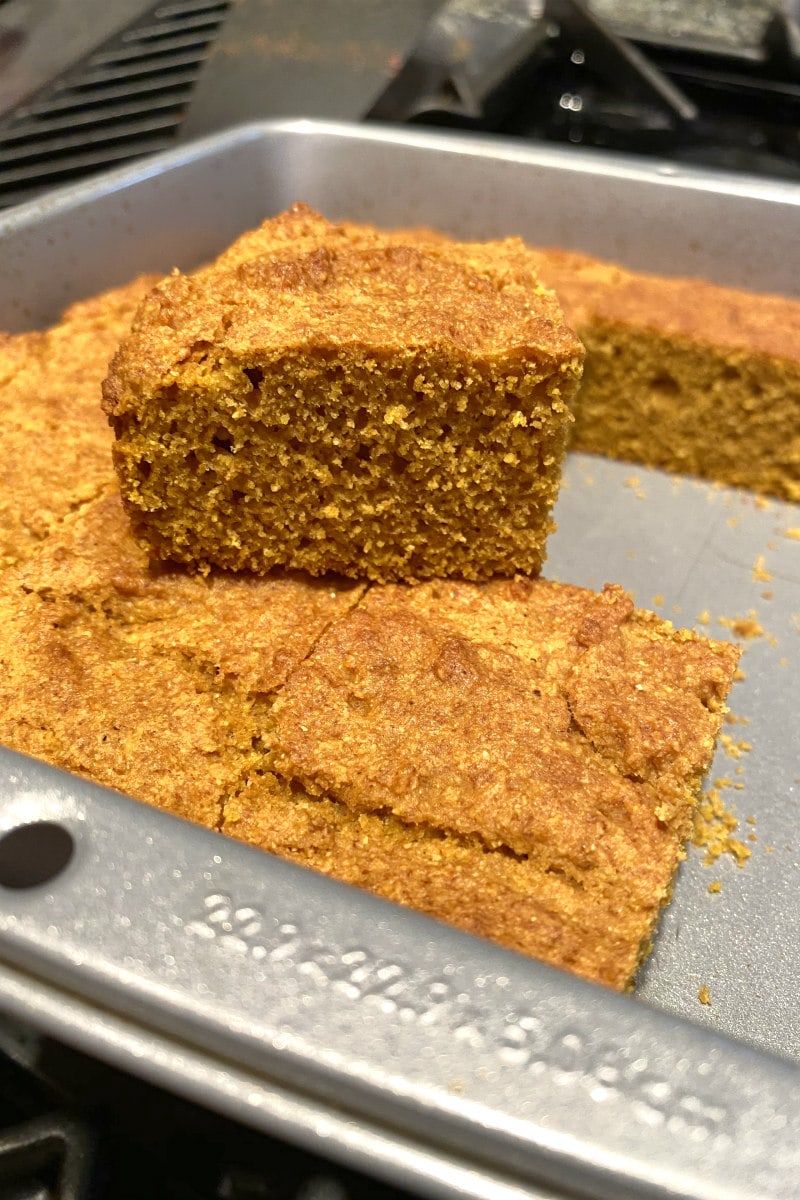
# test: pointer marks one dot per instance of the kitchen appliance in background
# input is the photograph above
(73, 1128)
(87, 86)
(717, 85)
(701, 82)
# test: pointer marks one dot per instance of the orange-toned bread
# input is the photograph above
(684, 375)
(55, 445)
(151, 681)
(520, 758)
(325, 397)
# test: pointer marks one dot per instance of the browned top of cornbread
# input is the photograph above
(55, 445)
(308, 282)
(143, 679)
(476, 708)
(516, 758)
(522, 717)
(729, 318)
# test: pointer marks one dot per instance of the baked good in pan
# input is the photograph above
(327, 398)
(684, 375)
(519, 758)
(55, 443)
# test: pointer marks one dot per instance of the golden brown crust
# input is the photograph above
(329, 398)
(142, 679)
(521, 718)
(519, 758)
(722, 317)
(55, 445)
(489, 894)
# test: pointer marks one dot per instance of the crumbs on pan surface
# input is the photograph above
(744, 627)
(734, 749)
(714, 828)
(704, 995)
(760, 572)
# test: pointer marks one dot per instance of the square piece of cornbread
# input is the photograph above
(521, 758)
(328, 398)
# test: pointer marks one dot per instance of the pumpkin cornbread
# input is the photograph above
(688, 376)
(519, 758)
(143, 679)
(55, 445)
(327, 398)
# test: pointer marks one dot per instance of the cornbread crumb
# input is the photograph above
(760, 572)
(743, 627)
(732, 748)
(715, 886)
(792, 533)
(328, 398)
(704, 995)
(713, 828)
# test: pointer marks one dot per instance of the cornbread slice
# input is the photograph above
(150, 681)
(55, 445)
(517, 758)
(330, 399)
(521, 759)
(685, 375)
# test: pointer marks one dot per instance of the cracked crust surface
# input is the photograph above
(325, 397)
(519, 758)
(520, 722)
(55, 444)
(141, 678)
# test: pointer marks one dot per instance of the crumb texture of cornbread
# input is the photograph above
(684, 375)
(328, 398)
(55, 444)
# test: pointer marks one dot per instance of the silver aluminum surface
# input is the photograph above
(550, 1080)
(506, 1072)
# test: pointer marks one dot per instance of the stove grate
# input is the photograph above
(126, 99)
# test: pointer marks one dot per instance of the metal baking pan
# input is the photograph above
(335, 1019)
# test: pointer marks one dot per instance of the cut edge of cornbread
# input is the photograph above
(684, 375)
(328, 398)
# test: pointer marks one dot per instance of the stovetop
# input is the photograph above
(72, 1128)
(716, 85)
